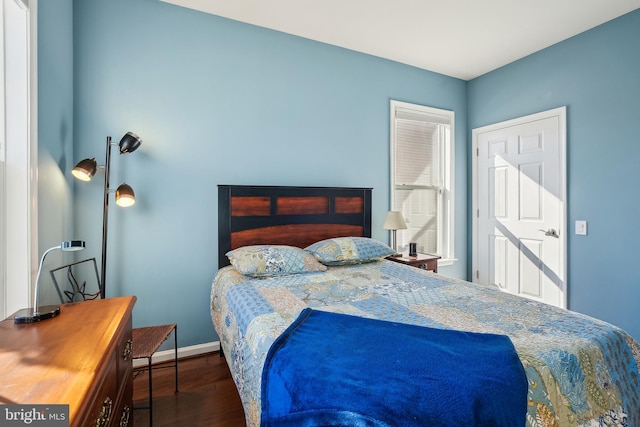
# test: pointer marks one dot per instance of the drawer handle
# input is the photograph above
(124, 419)
(126, 354)
(105, 413)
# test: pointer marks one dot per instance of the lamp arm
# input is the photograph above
(35, 292)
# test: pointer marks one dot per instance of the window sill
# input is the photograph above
(443, 262)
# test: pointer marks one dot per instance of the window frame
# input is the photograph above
(19, 132)
(446, 209)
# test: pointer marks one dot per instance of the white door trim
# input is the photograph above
(561, 114)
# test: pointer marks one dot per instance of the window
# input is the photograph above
(18, 152)
(421, 177)
(3, 225)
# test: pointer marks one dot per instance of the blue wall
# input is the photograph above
(55, 135)
(220, 102)
(597, 76)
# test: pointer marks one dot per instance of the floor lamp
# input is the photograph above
(125, 197)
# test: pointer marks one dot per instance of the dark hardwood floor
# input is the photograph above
(207, 396)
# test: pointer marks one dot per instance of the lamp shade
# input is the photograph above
(85, 169)
(73, 245)
(129, 143)
(125, 196)
(394, 221)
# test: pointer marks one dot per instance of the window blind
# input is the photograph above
(417, 151)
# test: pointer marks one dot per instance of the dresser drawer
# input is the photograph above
(123, 414)
(124, 353)
(113, 406)
(104, 404)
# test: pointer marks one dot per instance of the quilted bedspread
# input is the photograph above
(580, 371)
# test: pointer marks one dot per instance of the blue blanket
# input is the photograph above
(331, 369)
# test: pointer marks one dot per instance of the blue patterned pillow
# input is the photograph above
(269, 260)
(349, 250)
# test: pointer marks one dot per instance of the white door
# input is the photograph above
(519, 204)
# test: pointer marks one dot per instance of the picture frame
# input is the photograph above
(77, 281)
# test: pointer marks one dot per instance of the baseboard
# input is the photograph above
(167, 355)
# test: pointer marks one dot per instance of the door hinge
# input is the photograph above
(477, 274)
(477, 213)
(477, 152)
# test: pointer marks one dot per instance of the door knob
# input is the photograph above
(550, 232)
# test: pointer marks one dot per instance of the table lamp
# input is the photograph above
(36, 314)
(394, 221)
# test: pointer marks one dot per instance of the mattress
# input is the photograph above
(580, 371)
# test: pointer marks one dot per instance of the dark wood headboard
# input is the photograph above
(295, 216)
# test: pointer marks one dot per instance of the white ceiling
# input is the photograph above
(459, 38)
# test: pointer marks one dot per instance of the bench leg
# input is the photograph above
(175, 359)
(150, 393)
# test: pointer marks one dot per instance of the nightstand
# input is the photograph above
(423, 261)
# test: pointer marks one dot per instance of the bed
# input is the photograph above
(577, 370)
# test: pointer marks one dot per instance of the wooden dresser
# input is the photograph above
(81, 358)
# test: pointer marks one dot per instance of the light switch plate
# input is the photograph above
(581, 228)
